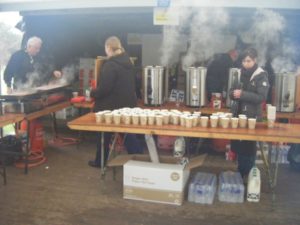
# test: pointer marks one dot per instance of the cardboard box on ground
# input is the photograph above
(163, 182)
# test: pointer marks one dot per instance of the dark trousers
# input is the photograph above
(246, 155)
(131, 143)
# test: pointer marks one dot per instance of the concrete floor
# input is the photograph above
(65, 191)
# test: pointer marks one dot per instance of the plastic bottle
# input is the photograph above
(254, 185)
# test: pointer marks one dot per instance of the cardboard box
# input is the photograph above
(155, 182)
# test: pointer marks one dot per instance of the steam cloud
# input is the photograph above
(39, 76)
(206, 31)
(207, 28)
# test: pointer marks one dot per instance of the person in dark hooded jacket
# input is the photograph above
(250, 96)
(218, 72)
(115, 89)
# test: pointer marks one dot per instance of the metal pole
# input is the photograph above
(102, 156)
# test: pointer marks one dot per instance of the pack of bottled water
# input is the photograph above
(202, 188)
(231, 187)
(282, 153)
(271, 151)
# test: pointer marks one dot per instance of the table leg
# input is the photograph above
(4, 168)
(271, 168)
(102, 156)
(27, 147)
(187, 146)
(113, 152)
(54, 124)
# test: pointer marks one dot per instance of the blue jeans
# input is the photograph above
(131, 143)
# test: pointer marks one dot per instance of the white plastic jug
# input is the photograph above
(254, 184)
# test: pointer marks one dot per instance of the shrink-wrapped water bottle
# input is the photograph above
(231, 187)
(202, 188)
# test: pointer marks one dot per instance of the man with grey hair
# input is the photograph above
(23, 64)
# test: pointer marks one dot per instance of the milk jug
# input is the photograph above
(253, 189)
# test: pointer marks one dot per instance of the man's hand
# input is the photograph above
(57, 74)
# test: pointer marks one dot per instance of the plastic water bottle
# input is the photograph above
(254, 184)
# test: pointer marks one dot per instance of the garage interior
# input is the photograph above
(66, 191)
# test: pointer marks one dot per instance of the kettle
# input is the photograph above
(153, 84)
(195, 90)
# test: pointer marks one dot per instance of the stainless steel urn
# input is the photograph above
(195, 89)
(285, 92)
(153, 85)
(233, 82)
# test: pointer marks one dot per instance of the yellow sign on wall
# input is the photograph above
(165, 16)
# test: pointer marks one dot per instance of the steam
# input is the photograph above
(285, 62)
(68, 74)
(206, 33)
(265, 34)
(205, 28)
(40, 77)
(172, 34)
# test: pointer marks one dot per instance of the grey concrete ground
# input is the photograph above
(65, 191)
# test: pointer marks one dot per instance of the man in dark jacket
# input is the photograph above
(218, 71)
(115, 89)
(250, 96)
(26, 68)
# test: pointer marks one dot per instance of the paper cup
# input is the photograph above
(166, 118)
(108, 117)
(151, 119)
(234, 122)
(175, 119)
(243, 122)
(135, 119)
(143, 119)
(251, 123)
(214, 121)
(159, 120)
(127, 119)
(204, 121)
(182, 120)
(99, 117)
(117, 119)
(224, 122)
(195, 120)
(189, 122)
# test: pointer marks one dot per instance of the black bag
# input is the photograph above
(8, 146)
(294, 156)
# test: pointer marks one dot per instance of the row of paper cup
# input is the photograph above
(138, 116)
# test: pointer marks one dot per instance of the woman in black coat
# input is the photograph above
(115, 89)
(250, 96)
